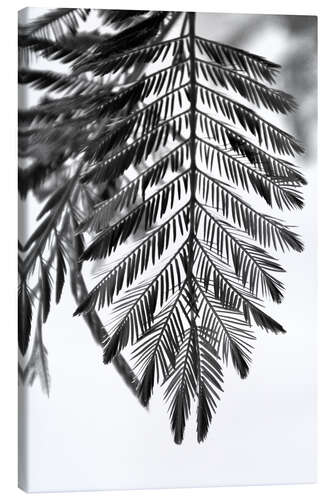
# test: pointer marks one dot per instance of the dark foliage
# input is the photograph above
(188, 267)
(52, 136)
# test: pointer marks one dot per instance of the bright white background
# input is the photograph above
(8, 363)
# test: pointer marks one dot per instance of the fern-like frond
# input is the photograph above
(67, 49)
(267, 230)
(120, 18)
(274, 167)
(251, 263)
(243, 174)
(169, 158)
(55, 23)
(38, 363)
(25, 302)
(147, 212)
(56, 82)
(104, 57)
(134, 313)
(108, 59)
(268, 134)
(155, 353)
(238, 59)
(182, 385)
(149, 250)
(158, 135)
(252, 90)
(209, 381)
(211, 271)
(227, 331)
(136, 152)
(128, 195)
(199, 309)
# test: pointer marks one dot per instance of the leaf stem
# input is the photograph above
(192, 167)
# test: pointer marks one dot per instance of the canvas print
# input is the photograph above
(166, 299)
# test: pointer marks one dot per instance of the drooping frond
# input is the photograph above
(226, 331)
(135, 311)
(55, 82)
(252, 90)
(157, 349)
(38, 363)
(127, 196)
(111, 54)
(66, 49)
(55, 23)
(240, 172)
(52, 137)
(181, 388)
(270, 135)
(108, 59)
(170, 154)
(225, 55)
(147, 212)
(226, 268)
(267, 230)
(150, 248)
(212, 271)
(251, 263)
(210, 380)
(24, 316)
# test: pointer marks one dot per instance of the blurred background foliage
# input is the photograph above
(290, 41)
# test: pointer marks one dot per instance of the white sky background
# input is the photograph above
(91, 432)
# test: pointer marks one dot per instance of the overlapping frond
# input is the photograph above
(182, 384)
(120, 51)
(266, 133)
(108, 59)
(135, 311)
(55, 22)
(256, 66)
(127, 196)
(211, 271)
(209, 383)
(145, 253)
(227, 331)
(56, 82)
(252, 90)
(239, 172)
(145, 214)
(121, 18)
(52, 137)
(267, 230)
(156, 350)
(135, 152)
(251, 263)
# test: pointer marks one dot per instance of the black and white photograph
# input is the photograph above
(167, 179)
